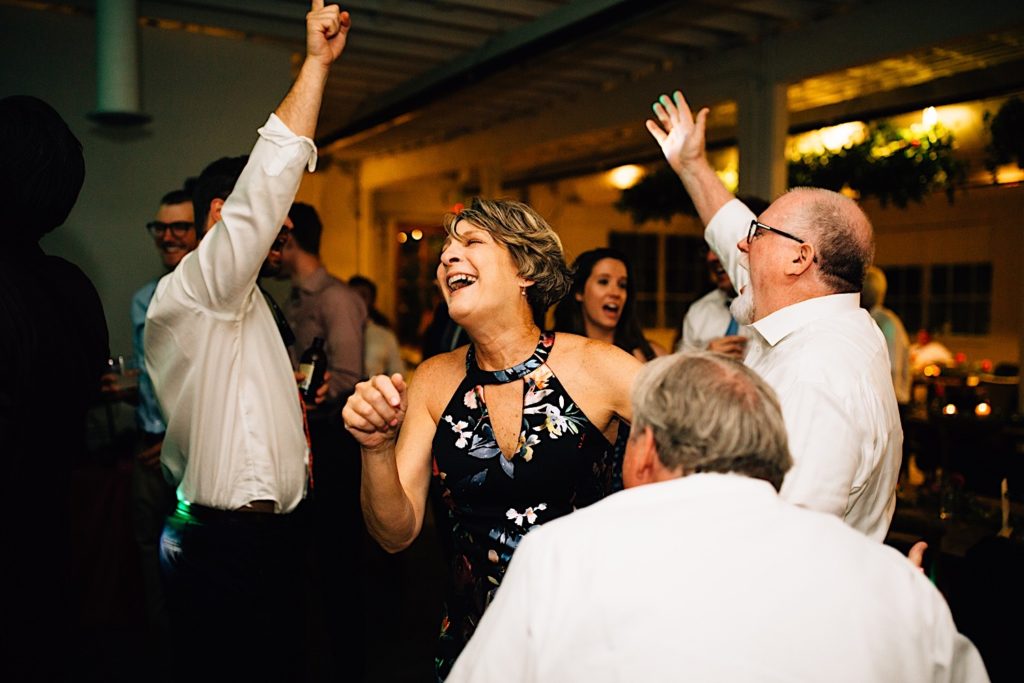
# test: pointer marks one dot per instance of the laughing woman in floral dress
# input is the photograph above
(514, 428)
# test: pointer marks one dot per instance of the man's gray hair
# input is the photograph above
(844, 238)
(710, 413)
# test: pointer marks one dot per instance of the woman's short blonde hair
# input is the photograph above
(535, 247)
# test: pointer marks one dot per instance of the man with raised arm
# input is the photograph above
(799, 270)
(235, 443)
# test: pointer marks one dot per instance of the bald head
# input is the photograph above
(842, 233)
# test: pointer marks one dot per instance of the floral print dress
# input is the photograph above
(490, 501)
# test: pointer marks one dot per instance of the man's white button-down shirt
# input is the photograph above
(215, 354)
(828, 362)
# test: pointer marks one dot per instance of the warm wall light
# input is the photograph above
(729, 177)
(416, 234)
(1009, 173)
(950, 409)
(625, 177)
(834, 138)
(929, 117)
(983, 409)
(402, 238)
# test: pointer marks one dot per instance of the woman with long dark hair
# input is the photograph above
(602, 304)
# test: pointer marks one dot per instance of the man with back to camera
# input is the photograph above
(799, 270)
(700, 571)
(235, 442)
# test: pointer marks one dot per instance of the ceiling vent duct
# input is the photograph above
(117, 64)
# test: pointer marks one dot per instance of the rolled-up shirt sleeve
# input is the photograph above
(723, 232)
(220, 273)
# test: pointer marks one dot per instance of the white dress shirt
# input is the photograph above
(215, 355)
(827, 361)
(712, 577)
(708, 318)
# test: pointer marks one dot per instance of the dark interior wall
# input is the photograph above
(207, 96)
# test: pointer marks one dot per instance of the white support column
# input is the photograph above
(761, 132)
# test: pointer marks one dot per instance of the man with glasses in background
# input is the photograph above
(799, 269)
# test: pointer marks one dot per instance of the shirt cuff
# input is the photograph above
(279, 134)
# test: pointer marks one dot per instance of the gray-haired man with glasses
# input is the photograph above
(799, 268)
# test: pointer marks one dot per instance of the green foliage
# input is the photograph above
(1007, 131)
(658, 196)
(892, 164)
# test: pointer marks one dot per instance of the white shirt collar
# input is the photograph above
(783, 322)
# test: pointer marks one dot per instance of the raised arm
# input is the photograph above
(681, 138)
(220, 274)
(326, 32)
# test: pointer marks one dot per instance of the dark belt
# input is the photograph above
(255, 512)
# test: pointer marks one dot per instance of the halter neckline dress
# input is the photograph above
(488, 500)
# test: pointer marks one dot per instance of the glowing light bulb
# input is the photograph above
(416, 234)
(983, 409)
(929, 117)
(402, 238)
(625, 177)
(949, 409)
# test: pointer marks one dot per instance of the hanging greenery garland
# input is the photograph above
(892, 164)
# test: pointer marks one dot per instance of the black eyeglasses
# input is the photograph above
(178, 228)
(753, 234)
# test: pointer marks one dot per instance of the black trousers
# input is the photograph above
(234, 585)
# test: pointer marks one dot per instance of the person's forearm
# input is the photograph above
(390, 516)
(705, 189)
(300, 108)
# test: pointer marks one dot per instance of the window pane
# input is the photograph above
(685, 265)
(983, 278)
(962, 317)
(962, 279)
(647, 310)
(940, 277)
(961, 298)
(642, 251)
